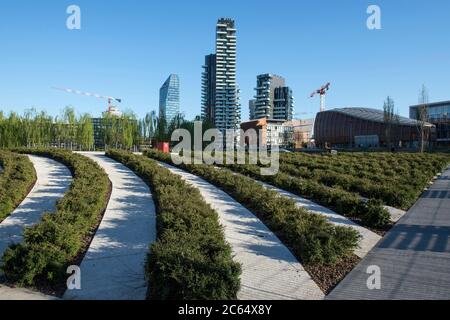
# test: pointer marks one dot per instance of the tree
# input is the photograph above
(389, 119)
(85, 133)
(161, 132)
(70, 130)
(422, 116)
(148, 125)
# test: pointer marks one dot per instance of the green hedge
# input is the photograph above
(311, 237)
(52, 245)
(16, 180)
(190, 259)
(395, 178)
(343, 202)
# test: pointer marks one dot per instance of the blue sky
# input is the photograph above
(127, 48)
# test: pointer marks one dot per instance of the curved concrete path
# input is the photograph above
(368, 238)
(269, 270)
(396, 214)
(113, 267)
(7, 293)
(414, 256)
(53, 180)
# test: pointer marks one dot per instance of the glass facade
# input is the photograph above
(169, 98)
(438, 113)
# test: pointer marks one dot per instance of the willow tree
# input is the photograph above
(70, 123)
(85, 133)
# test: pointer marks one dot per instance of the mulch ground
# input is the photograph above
(328, 277)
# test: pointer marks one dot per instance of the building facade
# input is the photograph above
(252, 108)
(273, 100)
(365, 127)
(272, 132)
(209, 88)
(438, 113)
(220, 94)
(302, 133)
(283, 104)
(169, 98)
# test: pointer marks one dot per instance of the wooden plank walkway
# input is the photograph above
(414, 257)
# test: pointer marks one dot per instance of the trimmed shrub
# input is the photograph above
(343, 202)
(16, 180)
(311, 237)
(190, 259)
(50, 246)
(396, 179)
(373, 216)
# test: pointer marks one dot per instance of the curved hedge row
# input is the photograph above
(311, 237)
(371, 213)
(61, 237)
(396, 179)
(190, 259)
(16, 180)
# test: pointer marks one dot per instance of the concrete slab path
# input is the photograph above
(413, 257)
(368, 238)
(269, 269)
(113, 267)
(53, 180)
(7, 293)
(396, 214)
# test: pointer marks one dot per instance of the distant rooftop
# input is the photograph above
(374, 115)
(228, 21)
(433, 104)
(266, 75)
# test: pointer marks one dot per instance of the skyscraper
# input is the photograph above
(209, 88)
(273, 99)
(169, 98)
(220, 94)
(251, 108)
(283, 104)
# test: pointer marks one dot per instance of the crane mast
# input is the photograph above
(322, 91)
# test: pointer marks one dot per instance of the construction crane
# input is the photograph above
(322, 92)
(111, 108)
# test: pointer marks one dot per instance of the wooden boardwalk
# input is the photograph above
(414, 257)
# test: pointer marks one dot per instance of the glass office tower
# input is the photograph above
(169, 98)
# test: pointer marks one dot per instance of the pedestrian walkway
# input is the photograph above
(114, 266)
(269, 270)
(413, 257)
(7, 293)
(53, 180)
(368, 238)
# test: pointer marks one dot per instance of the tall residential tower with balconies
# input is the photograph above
(220, 93)
(273, 99)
